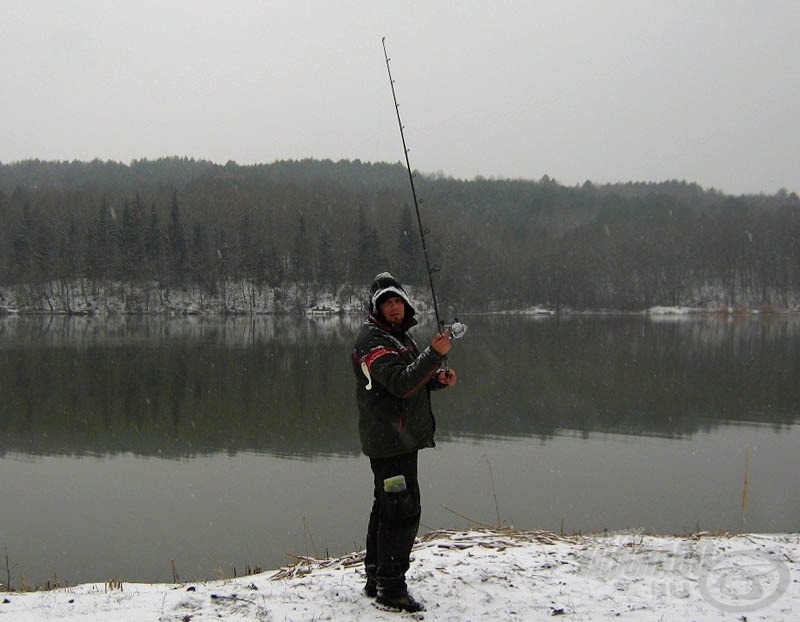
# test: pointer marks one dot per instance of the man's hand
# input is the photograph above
(441, 342)
(446, 377)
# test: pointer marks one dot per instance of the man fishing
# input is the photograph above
(393, 384)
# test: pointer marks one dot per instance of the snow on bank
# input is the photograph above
(231, 297)
(479, 575)
(672, 310)
(243, 297)
(718, 310)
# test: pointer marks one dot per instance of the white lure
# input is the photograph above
(365, 371)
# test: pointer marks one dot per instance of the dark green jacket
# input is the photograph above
(393, 384)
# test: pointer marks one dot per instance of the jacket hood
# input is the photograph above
(383, 286)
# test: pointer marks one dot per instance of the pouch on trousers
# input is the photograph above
(399, 505)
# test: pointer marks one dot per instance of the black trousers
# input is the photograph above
(393, 523)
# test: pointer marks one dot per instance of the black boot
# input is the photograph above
(399, 602)
(371, 586)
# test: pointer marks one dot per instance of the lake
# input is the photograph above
(142, 449)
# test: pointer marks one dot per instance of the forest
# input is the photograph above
(312, 226)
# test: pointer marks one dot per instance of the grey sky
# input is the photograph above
(706, 91)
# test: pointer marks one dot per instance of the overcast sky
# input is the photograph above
(638, 90)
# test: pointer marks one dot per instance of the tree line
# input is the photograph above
(500, 243)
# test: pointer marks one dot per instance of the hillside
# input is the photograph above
(176, 224)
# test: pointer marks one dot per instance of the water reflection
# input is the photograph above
(176, 387)
(629, 375)
(284, 386)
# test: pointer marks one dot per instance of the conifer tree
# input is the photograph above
(176, 239)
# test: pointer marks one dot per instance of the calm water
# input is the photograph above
(127, 445)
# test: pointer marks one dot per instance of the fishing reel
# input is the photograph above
(457, 329)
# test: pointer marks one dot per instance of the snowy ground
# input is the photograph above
(479, 575)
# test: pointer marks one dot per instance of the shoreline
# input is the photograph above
(242, 298)
(479, 573)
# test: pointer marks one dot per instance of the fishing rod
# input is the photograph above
(457, 329)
